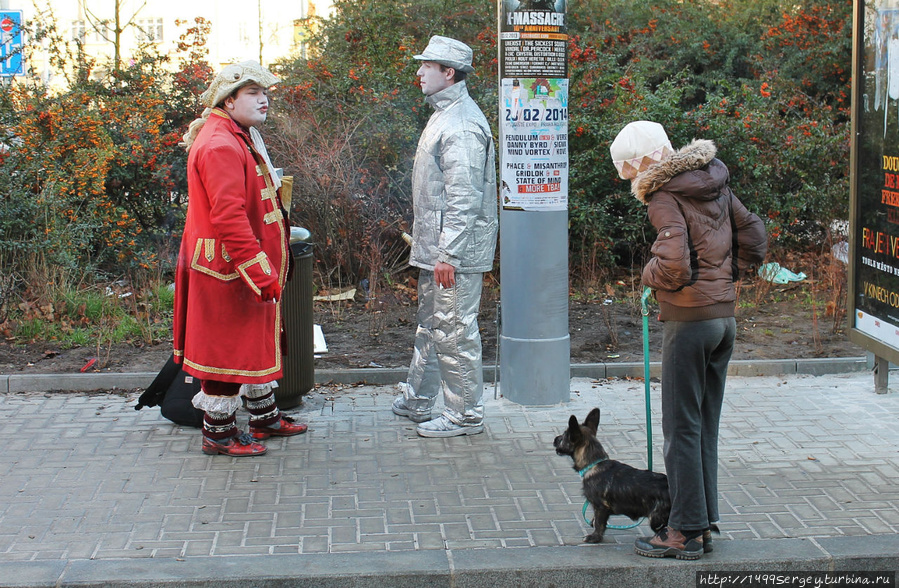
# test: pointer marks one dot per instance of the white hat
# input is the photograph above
(639, 145)
(448, 52)
(234, 76)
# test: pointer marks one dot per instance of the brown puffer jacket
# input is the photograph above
(692, 270)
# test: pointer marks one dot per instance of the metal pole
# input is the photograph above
(881, 375)
(535, 363)
(533, 155)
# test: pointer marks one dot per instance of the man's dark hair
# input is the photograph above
(459, 74)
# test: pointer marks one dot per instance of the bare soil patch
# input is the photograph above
(605, 323)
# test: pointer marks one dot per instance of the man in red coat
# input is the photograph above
(232, 265)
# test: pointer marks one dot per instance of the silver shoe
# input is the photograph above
(443, 427)
(400, 408)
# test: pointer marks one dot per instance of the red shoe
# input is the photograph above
(239, 446)
(289, 427)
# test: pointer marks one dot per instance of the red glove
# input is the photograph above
(270, 293)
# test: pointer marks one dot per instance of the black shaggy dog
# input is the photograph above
(613, 488)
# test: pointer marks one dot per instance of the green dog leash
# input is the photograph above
(644, 310)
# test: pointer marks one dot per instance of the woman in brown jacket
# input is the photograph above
(705, 237)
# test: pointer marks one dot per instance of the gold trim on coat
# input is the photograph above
(273, 217)
(204, 246)
(233, 372)
(262, 259)
(269, 192)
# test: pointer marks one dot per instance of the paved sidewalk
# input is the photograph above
(95, 493)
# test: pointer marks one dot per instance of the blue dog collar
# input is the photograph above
(584, 471)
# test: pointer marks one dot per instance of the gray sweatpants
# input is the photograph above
(694, 369)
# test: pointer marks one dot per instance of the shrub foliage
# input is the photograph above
(95, 180)
(767, 80)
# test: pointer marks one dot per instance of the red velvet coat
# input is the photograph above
(235, 242)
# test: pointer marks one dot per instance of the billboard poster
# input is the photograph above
(534, 167)
(534, 38)
(875, 260)
(533, 55)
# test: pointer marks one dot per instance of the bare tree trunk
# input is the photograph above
(117, 43)
(102, 27)
(259, 14)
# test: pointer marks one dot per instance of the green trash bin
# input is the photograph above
(299, 356)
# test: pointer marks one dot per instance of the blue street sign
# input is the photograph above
(11, 63)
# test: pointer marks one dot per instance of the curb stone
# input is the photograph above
(602, 566)
(16, 383)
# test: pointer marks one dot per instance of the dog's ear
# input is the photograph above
(592, 421)
(574, 430)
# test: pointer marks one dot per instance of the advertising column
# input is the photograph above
(533, 171)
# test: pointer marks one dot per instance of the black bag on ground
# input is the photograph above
(172, 391)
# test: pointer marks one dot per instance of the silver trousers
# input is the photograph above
(447, 352)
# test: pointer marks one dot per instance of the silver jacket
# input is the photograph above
(454, 186)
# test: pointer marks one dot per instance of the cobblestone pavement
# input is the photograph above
(86, 477)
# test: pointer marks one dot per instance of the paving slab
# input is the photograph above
(96, 493)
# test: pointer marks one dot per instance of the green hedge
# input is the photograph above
(96, 180)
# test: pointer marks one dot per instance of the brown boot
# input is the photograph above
(670, 543)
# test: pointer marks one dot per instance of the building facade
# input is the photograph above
(263, 30)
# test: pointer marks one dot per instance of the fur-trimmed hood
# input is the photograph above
(691, 157)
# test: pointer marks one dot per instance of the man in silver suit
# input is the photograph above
(453, 243)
